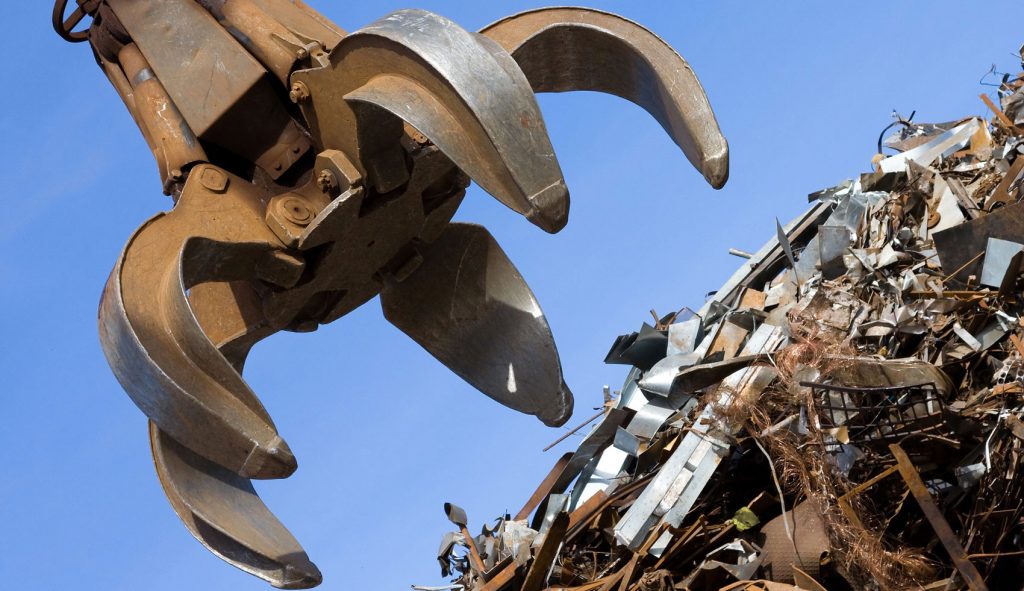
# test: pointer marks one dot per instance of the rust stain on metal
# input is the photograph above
(934, 516)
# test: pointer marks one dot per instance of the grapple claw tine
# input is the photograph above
(457, 88)
(471, 309)
(565, 49)
(157, 348)
(222, 510)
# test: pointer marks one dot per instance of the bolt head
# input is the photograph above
(213, 179)
(295, 211)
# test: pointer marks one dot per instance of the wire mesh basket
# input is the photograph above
(881, 414)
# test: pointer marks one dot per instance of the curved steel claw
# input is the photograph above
(471, 309)
(157, 348)
(459, 89)
(222, 510)
(565, 49)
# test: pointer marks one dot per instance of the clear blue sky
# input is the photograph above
(383, 433)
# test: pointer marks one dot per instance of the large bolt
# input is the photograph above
(213, 179)
(295, 211)
(299, 93)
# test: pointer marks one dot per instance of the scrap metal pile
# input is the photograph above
(844, 413)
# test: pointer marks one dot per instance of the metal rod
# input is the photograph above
(574, 429)
(931, 512)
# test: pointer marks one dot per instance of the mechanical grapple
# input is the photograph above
(313, 169)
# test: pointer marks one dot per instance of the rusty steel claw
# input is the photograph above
(329, 204)
(471, 309)
(157, 348)
(459, 89)
(222, 510)
(566, 49)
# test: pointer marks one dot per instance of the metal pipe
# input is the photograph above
(175, 146)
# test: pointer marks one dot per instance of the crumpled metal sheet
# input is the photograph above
(740, 559)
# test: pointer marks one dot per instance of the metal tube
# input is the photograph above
(174, 144)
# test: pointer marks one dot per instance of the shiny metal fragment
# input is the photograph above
(683, 476)
(659, 379)
(1001, 259)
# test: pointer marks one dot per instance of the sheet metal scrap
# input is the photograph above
(844, 413)
(315, 169)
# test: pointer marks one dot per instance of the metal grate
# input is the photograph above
(879, 414)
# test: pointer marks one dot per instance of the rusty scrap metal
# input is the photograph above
(934, 515)
(755, 444)
(314, 169)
